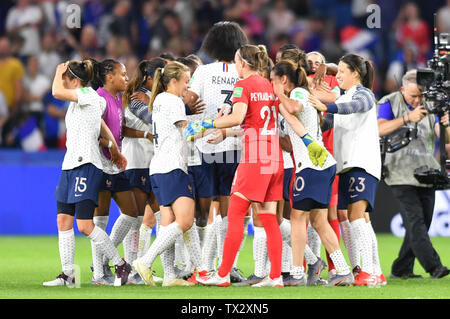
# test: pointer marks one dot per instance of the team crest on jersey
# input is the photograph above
(108, 183)
(143, 179)
(237, 92)
(190, 188)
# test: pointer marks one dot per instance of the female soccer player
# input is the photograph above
(110, 78)
(326, 89)
(312, 183)
(214, 84)
(357, 150)
(77, 190)
(168, 174)
(255, 104)
(137, 147)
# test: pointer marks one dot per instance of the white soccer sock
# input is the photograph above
(66, 244)
(167, 261)
(105, 245)
(297, 272)
(201, 234)
(339, 262)
(209, 248)
(97, 256)
(223, 224)
(181, 257)
(260, 256)
(310, 257)
(131, 241)
(362, 236)
(158, 221)
(168, 258)
(145, 237)
(121, 227)
(192, 242)
(161, 243)
(286, 254)
(246, 221)
(314, 241)
(375, 257)
(350, 245)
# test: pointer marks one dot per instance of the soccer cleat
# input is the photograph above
(364, 279)
(182, 274)
(314, 271)
(176, 282)
(341, 280)
(236, 275)
(61, 280)
(269, 282)
(213, 279)
(103, 281)
(251, 280)
(156, 279)
(135, 280)
(293, 281)
(382, 280)
(144, 272)
(356, 271)
(122, 273)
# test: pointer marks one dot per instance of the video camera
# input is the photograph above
(436, 80)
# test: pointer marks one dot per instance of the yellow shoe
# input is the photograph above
(144, 272)
(176, 282)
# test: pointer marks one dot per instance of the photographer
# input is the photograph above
(416, 200)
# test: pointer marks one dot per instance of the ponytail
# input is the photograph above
(363, 67)
(367, 79)
(145, 70)
(162, 77)
(81, 70)
(100, 70)
(255, 56)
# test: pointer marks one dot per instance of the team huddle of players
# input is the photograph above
(198, 150)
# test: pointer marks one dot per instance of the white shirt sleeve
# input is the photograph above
(197, 81)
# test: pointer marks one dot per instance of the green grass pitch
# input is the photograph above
(28, 261)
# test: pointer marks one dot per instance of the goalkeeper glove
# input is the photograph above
(317, 153)
(194, 128)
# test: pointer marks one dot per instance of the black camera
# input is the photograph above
(436, 80)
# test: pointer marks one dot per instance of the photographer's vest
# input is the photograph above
(420, 151)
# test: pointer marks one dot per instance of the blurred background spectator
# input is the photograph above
(35, 35)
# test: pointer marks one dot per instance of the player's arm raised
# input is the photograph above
(58, 90)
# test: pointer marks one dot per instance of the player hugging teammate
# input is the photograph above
(205, 156)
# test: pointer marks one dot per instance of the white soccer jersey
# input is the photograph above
(310, 119)
(356, 139)
(282, 132)
(214, 83)
(83, 123)
(170, 146)
(137, 151)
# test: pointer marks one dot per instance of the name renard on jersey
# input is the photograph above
(262, 96)
(223, 80)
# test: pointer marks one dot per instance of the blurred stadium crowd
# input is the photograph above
(35, 38)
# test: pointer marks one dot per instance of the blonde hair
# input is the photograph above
(162, 77)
